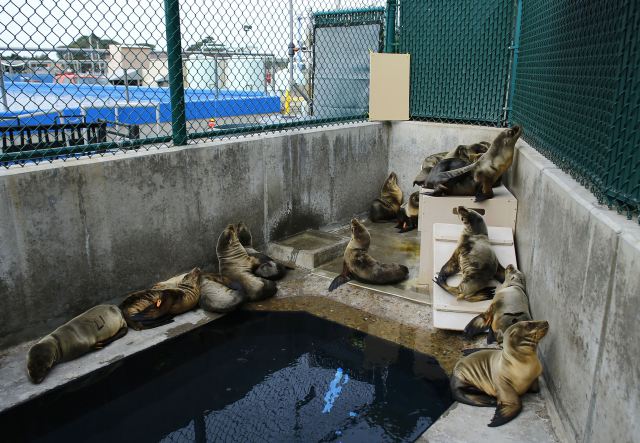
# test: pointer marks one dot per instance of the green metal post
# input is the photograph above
(390, 26)
(514, 62)
(176, 83)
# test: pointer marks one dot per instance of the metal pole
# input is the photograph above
(390, 28)
(3, 90)
(176, 82)
(217, 77)
(514, 63)
(292, 46)
(126, 85)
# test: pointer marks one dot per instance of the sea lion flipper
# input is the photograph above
(466, 394)
(499, 275)
(491, 337)
(341, 279)
(121, 333)
(470, 351)
(476, 326)
(509, 406)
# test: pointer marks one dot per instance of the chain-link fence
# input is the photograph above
(96, 77)
(578, 92)
(460, 58)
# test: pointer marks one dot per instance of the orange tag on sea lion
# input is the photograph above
(158, 303)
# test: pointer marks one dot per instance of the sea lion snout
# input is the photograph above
(40, 360)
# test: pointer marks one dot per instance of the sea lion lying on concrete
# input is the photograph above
(236, 265)
(360, 265)
(478, 178)
(509, 306)
(94, 329)
(220, 294)
(386, 206)
(408, 214)
(474, 258)
(158, 305)
(263, 265)
(489, 374)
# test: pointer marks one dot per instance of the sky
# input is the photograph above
(51, 23)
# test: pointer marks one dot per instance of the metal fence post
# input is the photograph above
(390, 27)
(176, 82)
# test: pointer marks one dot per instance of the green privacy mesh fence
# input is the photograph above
(96, 77)
(578, 92)
(460, 54)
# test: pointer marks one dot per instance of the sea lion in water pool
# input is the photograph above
(478, 178)
(236, 265)
(489, 374)
(474, 258)
(509, 306)
(91, 330)
(386, 206)
(158, 305)
(263, 265)
(408, 215)
(360, 265)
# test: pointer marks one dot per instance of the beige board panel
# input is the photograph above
(449, 312)
(389, 87)
(500, 210)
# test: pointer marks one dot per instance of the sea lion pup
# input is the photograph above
(386, 207)
(509, 306)
(427, 165)
(360, 265)
(489, 374)
(94, 329)
(478, 178)
(263, 265)
(236, 265)
(158, 305)
(474, 258)
(408, 215)
(220, 294)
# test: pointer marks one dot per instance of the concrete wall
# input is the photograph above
(582, 263)
(78, 233)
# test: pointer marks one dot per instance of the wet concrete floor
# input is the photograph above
(388, 246)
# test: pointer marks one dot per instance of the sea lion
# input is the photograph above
(236, 265)
(469, 153)
(509, 306)
(386, 206)
(158, 305)
(474, 258)
(91, 330)
(447, 164)
(408, 215)
(489, 374)
(478, 178)
(263, 265)
(427, 165)
(220, 294)
(360, 265)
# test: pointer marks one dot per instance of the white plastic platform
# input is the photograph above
(500, 211)
(449, 312)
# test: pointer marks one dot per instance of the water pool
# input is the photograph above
(248, 377)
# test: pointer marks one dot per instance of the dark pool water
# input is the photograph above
(248, 377)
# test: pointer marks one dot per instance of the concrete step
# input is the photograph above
(308, 249)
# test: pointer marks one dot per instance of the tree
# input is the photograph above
(207, 44)
(85, 41)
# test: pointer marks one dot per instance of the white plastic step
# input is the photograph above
(449, 312)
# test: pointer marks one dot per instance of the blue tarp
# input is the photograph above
(99, 101)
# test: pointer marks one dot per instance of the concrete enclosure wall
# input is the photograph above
(78, 233)
(582, 264)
